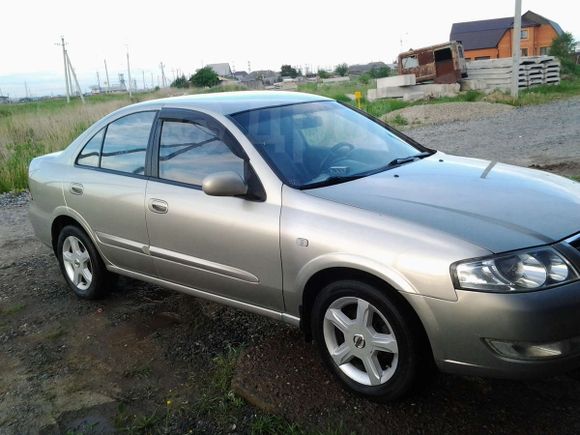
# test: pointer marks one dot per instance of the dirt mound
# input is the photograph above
(429, 114)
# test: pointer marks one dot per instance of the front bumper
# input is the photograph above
(457, 330)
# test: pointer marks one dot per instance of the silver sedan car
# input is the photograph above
(391, 256)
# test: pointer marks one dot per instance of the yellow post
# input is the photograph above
(358, 98)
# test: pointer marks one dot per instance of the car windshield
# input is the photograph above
(322, 143)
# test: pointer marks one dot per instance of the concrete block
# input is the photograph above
(473, 85)
(413, 96)
(439, 90)
(335, 80)
(396, 81)
(372, 94)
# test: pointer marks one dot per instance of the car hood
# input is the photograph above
(496, 206)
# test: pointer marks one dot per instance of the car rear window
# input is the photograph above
(91, 153)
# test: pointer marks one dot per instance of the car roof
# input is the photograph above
(227, 103)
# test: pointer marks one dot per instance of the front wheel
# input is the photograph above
(366, 339)
(81, 264)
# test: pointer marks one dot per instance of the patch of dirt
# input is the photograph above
(429, 114)
(284, 375)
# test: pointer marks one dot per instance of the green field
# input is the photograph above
(31, 129)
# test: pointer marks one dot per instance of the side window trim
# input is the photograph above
(192, 116)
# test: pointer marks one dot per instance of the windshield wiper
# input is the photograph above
(336, 179)
(402, 160)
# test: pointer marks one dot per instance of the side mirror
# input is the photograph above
(224, 184)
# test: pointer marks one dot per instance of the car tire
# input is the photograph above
(81, 265)
(368, 340)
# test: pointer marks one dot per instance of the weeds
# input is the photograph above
(400, 120)
(12, 309)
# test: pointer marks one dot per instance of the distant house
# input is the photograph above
(4, 99)
(221, 69)
(492, 39)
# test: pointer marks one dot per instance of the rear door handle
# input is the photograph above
(158, 206)
(76, 188)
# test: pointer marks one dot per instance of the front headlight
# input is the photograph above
(527, 270)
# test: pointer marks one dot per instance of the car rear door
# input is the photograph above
(106, 188)
(227, 246)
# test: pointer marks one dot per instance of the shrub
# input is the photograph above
(180, 82)
(205, 78)
(288, 71)
(564, 47)
(341, 69)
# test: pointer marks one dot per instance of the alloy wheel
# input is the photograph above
(360, 341)
(77, 263)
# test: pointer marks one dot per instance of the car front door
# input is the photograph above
(106, 187)
(227, 246)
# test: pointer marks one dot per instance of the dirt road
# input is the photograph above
(147, 360)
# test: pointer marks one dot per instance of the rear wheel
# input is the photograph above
(81, 264)
(367, 340)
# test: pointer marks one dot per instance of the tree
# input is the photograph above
(323, 74)
(288, 71)
(180, 82)
(205, 77)
(383, 71)
(563, 47)
(341, 69)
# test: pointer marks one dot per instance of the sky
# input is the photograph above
(186, 35)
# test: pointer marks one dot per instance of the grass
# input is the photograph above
(31, 129)
(13, 309)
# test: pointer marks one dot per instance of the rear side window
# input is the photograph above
(91, 153)
(188, 152)
(125, 145)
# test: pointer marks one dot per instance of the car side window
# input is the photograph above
(125, 145)
(189, 151)
(91, 153)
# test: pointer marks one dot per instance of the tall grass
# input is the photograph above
(32, 129)
(27, 132)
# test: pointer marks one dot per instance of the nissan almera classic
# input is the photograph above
(390, 255)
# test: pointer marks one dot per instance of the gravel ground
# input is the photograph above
(545, 137)
(428, 114)
(114, 364)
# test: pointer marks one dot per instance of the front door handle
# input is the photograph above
(76, 188)
(158, 206)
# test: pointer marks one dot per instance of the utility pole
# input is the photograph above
(66, 78)
(162, 74)
(152, 82)
(98, 82)
(516, 52)
(75, 78)
(143, 74)
(26, 89)
(130, 85)
(107, 74)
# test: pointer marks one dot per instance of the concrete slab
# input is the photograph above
(396, 81)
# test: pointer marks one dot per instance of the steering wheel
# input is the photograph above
(336, 152)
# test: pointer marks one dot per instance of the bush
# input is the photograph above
(377, 73)
(288, 71)
(205, 78)
(180, 82)
(564, 47)
(341, 69)
(323, 74)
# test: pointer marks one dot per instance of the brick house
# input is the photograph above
(492, 39)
